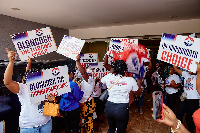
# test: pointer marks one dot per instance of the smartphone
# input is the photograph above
(77, 79)
(157, 105)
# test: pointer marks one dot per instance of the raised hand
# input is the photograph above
(107, 49)
(11, 55)
(78, 57)
(29, 60)
(51, 97)
(198, 66)
(169, 118)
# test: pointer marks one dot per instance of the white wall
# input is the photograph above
(172, 27)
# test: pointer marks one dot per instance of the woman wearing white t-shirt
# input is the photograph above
(172, 85)
(117, 105)
(31, 119)
(191, 103)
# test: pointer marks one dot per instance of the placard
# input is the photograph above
(99, 70)
(54, 80)
(70, 47)
(131, 53)
(34, 43)
(181, 51)
(127, 40)
(89, 58)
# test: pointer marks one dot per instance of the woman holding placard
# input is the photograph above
(87, 104)
(31, 119)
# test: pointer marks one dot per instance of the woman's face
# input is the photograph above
(171, 70)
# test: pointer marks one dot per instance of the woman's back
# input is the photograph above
(120, 91)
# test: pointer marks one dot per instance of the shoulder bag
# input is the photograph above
(104, 95)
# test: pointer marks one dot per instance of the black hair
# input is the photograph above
(119, 67)
(32, 70)
(71, 68)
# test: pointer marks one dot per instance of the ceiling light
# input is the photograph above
(14, 8)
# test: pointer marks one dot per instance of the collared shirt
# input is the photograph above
(70, 101)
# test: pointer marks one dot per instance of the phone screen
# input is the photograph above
(157, 105)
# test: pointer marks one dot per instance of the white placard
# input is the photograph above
(34, 43)
(89, 58)
(127, 40)
(54, 80)
(70, 46)
(99, 70)
(181, 51)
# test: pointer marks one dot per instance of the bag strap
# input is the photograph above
(89, 97)
(115, 83)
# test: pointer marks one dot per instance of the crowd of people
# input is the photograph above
(79, 107)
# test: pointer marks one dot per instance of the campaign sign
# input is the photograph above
(34, 43)
(120, 48)
(70, 46)
(181, 51)
(54, 80)
(131, 53)
(127, 40)
(99, 70)
(89, 58)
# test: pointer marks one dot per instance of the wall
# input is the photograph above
(95, 47)
(9, 26)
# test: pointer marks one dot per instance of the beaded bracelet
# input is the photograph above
(177, 127)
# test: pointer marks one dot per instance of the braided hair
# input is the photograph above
(119, 67)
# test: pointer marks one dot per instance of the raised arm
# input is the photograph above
(106, 65)
(28, 67)
(82, 69)
(198, 78)
(178, 70)
(9, 83)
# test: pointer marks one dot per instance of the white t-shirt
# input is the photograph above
(190, 85)
(171, 90)
(87, 88)
(31, 115)
(97, 90)
(119, 93)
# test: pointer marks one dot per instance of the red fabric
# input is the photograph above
(196, 119)
(128, 49)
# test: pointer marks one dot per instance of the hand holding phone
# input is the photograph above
(157, 105)
(78, 79)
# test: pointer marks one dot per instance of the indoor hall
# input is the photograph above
(97, 22)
